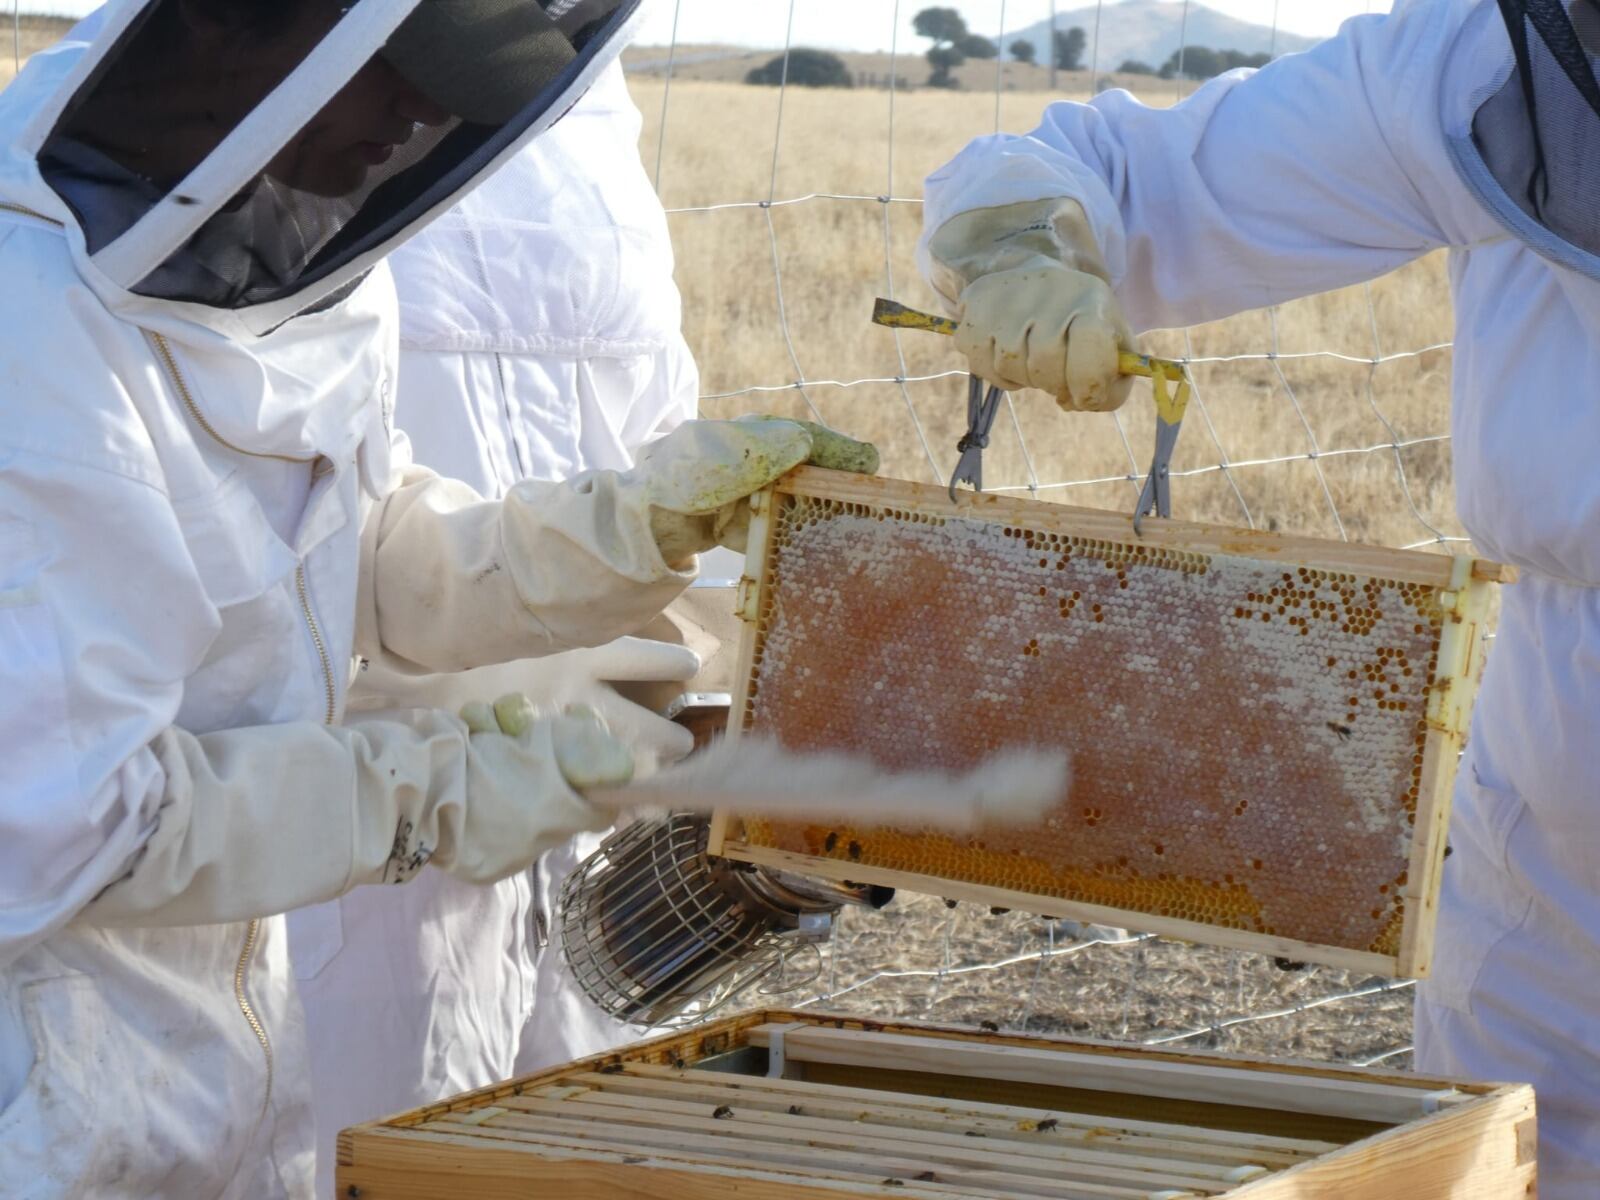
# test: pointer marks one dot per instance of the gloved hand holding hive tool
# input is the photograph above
(1035, 305)
(1035, 310)
(1156, 495)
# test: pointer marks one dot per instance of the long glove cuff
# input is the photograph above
(258, 820)
(984, 241)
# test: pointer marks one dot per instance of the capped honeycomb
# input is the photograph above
(1247, 735)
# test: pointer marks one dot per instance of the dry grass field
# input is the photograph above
(730, 64)
(719, 149)
(22, 36)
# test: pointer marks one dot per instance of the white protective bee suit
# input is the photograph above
(1401, 135)
(205, 517)
(539, 337)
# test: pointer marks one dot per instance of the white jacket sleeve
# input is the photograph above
(259, 820)
(110, 814)
(451, 581)
(102, 616)
(1312, 173)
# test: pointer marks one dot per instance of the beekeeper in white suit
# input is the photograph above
(204, 518)
(539, 337)
(1445, 124)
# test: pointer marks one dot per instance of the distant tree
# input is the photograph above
(944, 59)
(975, 45)
(1133, 66)
(1201, 62)
(1069, 47)
(940, 25)
(1022, 50)
(807, 68)
(946, 29)
(1192, 62)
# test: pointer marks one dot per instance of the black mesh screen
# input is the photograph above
(458, 82)
(132, 131)
(1539, 135)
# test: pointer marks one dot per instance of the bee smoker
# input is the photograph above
(657, 932)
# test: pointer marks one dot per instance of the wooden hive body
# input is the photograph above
(1264, 729)
(801, 1106)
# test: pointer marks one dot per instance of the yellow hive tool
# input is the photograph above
(1171, 402)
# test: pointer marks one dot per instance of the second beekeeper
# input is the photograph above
(1458, 124)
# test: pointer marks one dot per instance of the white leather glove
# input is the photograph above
(259, 820)
(581, 678)
(450, 581)
(585, 751)
(1035, 304)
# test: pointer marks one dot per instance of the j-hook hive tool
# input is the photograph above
(1169, 382)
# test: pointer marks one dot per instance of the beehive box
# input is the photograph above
(1263, 729)
(788, 1106)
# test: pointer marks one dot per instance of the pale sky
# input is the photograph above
(868, 24)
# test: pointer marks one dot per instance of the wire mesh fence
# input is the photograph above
(791, 209)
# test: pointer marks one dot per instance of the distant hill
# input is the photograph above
(1150, 30)
(730, 64)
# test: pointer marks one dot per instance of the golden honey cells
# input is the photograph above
(1247, 737)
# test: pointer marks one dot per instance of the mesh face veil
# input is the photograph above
(1538, 136)
(260, 154)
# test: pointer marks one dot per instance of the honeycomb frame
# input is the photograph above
(1183, 618)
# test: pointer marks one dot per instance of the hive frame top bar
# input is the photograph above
(1409, 566)
(1460, 656)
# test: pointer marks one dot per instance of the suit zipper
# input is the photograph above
(181, 386)
(252, 931)
(241, 968)
(316, 638)
(5, 206)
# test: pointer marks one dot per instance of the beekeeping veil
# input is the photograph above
(1531, 149)
(255, 157)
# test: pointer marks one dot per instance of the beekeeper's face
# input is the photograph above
(235, 62)
(362, 127)
(224, 59)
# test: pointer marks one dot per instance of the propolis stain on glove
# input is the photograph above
(834, 450)
(697, 479)
(840, 453)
